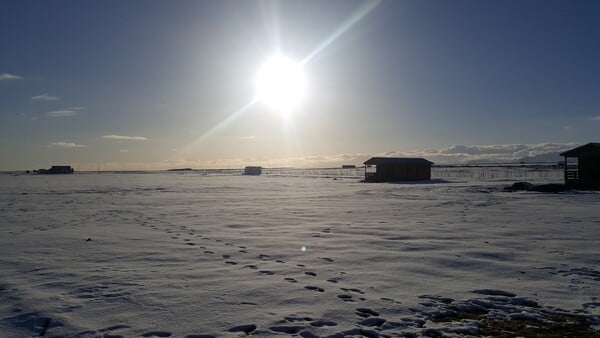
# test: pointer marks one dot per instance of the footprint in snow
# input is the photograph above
(345, 298)
(243, 328)
(365, 312)
(289, 329)
(373, 321)
(353, 290)
(294, 319)
(321, 323)
(157, 334)
(314, 288)
(114, 328)
(266, 272)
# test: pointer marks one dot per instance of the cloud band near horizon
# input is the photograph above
(61, 113)
(455, 154)
(124, 138)
(63, 144)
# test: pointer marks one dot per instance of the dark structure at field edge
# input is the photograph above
(584, 173)
(390, 169)
(252, 170)
(57, 169)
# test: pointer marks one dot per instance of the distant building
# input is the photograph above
(389, 169)
(252, 170)
(180, 169)
(348, 166)
(57, 169)
(583, 173)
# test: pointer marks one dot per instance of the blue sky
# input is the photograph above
(148, 84)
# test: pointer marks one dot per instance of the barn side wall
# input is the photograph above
(589, 172)
(403, 172)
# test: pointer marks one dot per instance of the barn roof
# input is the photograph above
(396, 160)
(586, 150)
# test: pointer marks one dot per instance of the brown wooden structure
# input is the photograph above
(390, 169)
(57, 169)
(252, 170)
(584, 172)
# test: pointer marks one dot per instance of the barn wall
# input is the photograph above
(404, 172)
(589, 172)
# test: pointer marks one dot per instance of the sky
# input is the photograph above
(170, 84)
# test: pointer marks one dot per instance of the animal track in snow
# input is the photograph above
(157, 334)
(314, 288)
(266, 272)
(248, 328)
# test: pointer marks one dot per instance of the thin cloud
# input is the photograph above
(68, 112)
(45, 97)
(7, 76)
(62, 113)
(247, 137)
(123, 150)
(124, 138)
(595, 118)
(63, 144)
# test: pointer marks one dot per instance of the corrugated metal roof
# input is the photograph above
(587, 150)
(396, 160)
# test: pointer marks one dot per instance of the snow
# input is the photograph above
(195, 254)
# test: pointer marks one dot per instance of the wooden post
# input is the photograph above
(566, 183)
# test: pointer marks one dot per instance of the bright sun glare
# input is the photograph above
(280, 83)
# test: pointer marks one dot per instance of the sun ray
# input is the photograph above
(351, 21)
(220, 125)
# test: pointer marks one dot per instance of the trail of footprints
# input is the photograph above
(346, 296)
(290, 324)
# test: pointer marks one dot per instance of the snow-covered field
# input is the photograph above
(188, 254)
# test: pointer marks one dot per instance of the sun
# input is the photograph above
(280, 83)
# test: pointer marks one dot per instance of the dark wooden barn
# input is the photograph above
(582, 167)
(252, 170)
(57, 169)
(389, 169)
